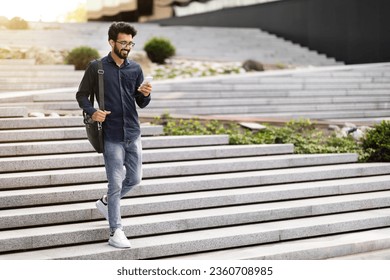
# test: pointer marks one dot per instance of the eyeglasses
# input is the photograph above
(124, 44)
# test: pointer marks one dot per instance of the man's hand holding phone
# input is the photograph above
(146, 86)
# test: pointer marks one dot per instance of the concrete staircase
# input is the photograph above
(339, 93)
(25, 75)
(200, 198)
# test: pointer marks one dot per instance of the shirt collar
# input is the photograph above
(111, 60)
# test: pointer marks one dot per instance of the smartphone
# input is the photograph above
(148, 79)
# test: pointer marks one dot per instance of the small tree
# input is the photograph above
(81, 56)
(158, 49)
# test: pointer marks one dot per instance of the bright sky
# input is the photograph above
(36, 10)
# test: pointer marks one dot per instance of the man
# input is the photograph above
(121, 128)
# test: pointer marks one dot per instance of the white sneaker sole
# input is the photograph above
(118, 245)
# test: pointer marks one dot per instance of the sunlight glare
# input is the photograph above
(39, 10)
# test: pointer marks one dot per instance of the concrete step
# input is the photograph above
(167, 169)
(248, 106)
(359, 93)
(217, 193)
(58, 79)
(366, 114)
(191, 241)
(36, 74)
(271, 92)
(250, 199)
(161, 99)
(45, 122)
(17, 61)
(308, 79)
(9, 87)
(294, 98)
(271, 95)
(210, 86)
(294, 108)
(377, 253)
(27, 96)
(282, 103)
(11, 112)
(77, 146)
(362, 245)
(15, 164)
(36, 68)
(63, 177)
(25, 135)
(258, 86)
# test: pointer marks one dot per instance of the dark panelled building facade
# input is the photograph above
(352, 31)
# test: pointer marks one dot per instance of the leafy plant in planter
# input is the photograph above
(158, 49)
(81, 56)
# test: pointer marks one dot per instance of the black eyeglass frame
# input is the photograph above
(124, 44)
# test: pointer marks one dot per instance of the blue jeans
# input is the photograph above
(123, 162)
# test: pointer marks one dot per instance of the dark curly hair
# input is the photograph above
(120, 27)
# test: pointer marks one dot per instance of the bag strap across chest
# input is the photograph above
(101, 84)
(100, 73)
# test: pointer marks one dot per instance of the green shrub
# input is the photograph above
(158, 49)
(17, 23)
(81, 56)
(376, 143)
(303, 134)
(308, 139)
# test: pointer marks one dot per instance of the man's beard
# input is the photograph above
(120, 53)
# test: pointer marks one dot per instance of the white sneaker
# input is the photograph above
(102, 207)
(119, 239)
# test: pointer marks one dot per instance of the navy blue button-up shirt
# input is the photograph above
(120, 97)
